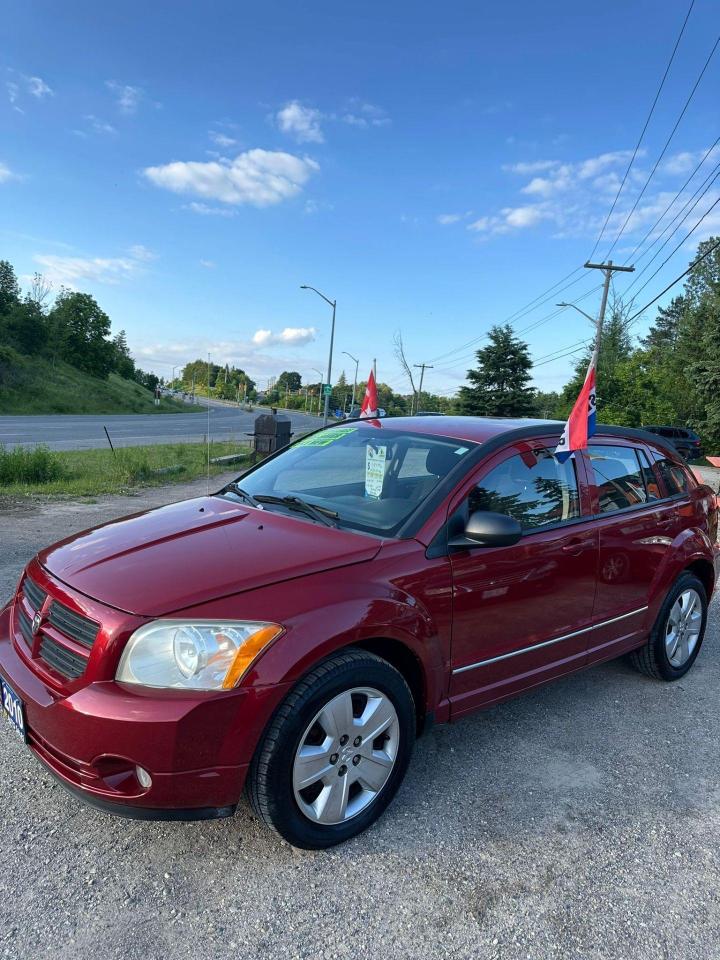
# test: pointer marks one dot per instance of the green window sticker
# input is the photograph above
(325, 437)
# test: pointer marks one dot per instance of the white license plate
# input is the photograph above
(13, 708)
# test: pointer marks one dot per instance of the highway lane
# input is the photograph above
(70, 432)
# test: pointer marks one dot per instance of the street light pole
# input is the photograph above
(357, 363)
(319, 373)
(333, 304)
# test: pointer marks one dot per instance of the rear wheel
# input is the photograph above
(336, 751)
(676, 638)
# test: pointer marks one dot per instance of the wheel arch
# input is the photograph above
(705, 572)
(407, 663)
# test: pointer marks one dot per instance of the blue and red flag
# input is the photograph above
(581, 422)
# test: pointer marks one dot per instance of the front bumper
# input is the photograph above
(197, 749)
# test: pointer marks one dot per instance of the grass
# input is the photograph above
(38, 386)
(87, 473)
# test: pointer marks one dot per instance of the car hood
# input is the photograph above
(159, 561)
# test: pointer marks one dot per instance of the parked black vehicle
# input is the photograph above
(685, 441)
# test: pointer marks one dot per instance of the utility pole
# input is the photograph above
(608, 269)
(423, 367)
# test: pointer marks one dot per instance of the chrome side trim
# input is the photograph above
(549, 643)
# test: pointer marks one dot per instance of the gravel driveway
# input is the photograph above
(581, 820)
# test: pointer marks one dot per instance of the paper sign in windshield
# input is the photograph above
(375, 459)
(325, 437)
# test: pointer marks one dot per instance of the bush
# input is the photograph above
(26, 465)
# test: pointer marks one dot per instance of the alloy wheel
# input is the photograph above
(346, 755)
(682, 630)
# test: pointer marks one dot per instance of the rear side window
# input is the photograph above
(674, 477)
(620, 481)
(532, 487)
(651, 484)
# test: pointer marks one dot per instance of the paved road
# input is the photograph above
(66, 432)
(579, 822)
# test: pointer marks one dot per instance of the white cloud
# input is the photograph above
(295, 336)
(446, 218)
(98, 126)
(205, 210)
(303, 123)
(13, 91)
(208, 264)
(37, 87)
(222, 139)
(257, 177)
(359, 113)
(139, 252)
(7, 174)
(127, 98)
(71, 271)
(535, 166)
(512, 218)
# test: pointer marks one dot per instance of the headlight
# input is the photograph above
(196, 655)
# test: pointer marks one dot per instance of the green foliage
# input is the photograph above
(29, 466)
(92, 472)
(289, 380)
(79, 331)
(500, 383)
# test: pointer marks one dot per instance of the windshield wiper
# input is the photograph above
(247, 497)
(321, 514)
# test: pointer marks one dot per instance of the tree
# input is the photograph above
(80, 329)
(500, 384)
(9, 288)
(407, 369)
(288, 381)
(123, 363)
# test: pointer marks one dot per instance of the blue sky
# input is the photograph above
(432, 166)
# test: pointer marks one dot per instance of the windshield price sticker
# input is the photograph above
(325, 437)
(375, 459)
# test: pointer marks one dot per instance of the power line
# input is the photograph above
(674, 200)
(672, 254)
(644, 129)
(667, 144)
(672, 234)
(692, 266)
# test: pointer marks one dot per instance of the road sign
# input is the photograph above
(327, 389)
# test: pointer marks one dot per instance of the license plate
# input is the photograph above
(13, 708)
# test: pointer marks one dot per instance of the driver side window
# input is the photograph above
(533, 487)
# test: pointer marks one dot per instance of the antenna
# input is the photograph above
(208, 427)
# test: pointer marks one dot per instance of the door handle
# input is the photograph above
(575, 547)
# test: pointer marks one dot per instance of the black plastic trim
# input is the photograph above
(129, 812)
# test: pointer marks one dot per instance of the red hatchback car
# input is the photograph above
(296, 631)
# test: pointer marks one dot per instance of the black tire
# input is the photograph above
(269, 784)
(652, 658)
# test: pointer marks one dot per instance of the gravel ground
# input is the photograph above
(579, 821)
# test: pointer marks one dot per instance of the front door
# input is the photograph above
(521, 614)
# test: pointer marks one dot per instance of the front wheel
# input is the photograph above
(336, 751)
(676, 637)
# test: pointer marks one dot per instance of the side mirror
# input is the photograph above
(486, 529)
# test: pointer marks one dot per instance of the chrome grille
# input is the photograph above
(65, 662)
(33, 594)
(73, 625)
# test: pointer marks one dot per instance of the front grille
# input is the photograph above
(25, 625)
(64, 661)
(33, 594)
(73, 625)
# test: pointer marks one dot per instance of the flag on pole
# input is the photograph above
(369, 408)
(581, 422)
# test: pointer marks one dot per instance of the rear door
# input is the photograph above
(520, 613)
(636, 524)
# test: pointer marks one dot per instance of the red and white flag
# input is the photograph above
(369, 408)
(581, 422)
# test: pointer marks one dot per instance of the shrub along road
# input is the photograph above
(68, 432)
(580, 821)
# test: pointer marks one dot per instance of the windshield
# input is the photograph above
(371, 478)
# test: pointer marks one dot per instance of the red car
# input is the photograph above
(296, 631)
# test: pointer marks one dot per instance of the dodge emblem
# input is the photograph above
(37, 620)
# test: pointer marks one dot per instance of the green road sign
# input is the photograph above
(327, 389)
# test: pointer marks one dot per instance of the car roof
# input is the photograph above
(498, 429)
